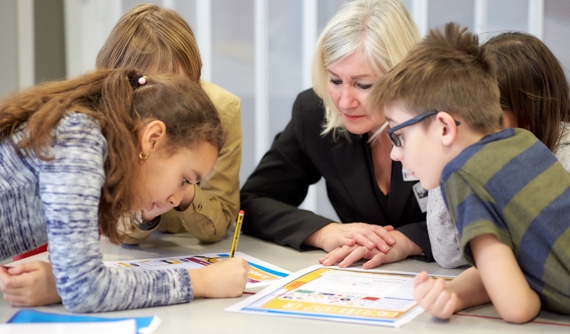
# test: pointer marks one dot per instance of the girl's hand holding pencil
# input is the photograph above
(237, 232)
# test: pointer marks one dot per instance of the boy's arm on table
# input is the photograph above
(441, 299)
(504, 280)
(497, 279)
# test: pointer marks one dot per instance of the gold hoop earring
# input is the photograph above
(143, 156)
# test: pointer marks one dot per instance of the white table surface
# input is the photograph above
(208, 315)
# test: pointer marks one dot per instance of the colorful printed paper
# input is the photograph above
(339, 294)
(261, 273)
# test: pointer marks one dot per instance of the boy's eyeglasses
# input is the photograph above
(396, 139)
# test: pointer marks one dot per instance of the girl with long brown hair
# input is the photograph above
(78, 154)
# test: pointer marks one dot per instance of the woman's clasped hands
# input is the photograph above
(349, 243)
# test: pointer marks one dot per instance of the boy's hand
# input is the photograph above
(220, 280)
(434, 297)
(29, 284)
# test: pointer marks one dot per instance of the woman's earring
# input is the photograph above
(143, 156)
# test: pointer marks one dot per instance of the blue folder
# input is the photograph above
(144, 324)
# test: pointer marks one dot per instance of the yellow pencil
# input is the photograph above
(237, 231)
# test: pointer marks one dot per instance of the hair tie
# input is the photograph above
(137, 80)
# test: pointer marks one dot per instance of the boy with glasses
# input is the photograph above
(506, 192)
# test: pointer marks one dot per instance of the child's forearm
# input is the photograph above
(504, 280)
(469, 289)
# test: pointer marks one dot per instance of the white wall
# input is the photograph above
(17, 45)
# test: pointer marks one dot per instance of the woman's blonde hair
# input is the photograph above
(151, 37)
(381, 30)
(122, 107)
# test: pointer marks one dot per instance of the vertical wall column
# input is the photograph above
(26, 50)
(204, 36)
(480, 16)
(419, 12)
(261, 65)
(310, 31)
(536, 18)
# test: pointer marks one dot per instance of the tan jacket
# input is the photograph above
(216, 200)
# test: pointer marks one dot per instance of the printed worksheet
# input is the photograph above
(339, 294)
(261, 273)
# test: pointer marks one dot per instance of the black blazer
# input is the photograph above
(299, 157)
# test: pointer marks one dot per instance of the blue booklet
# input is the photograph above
(145, 325)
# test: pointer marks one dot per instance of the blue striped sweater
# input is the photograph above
(57, 201)
(510, 185)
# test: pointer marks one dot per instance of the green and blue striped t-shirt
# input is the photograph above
(510, 185)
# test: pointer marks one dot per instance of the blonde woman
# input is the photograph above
(333, 134)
